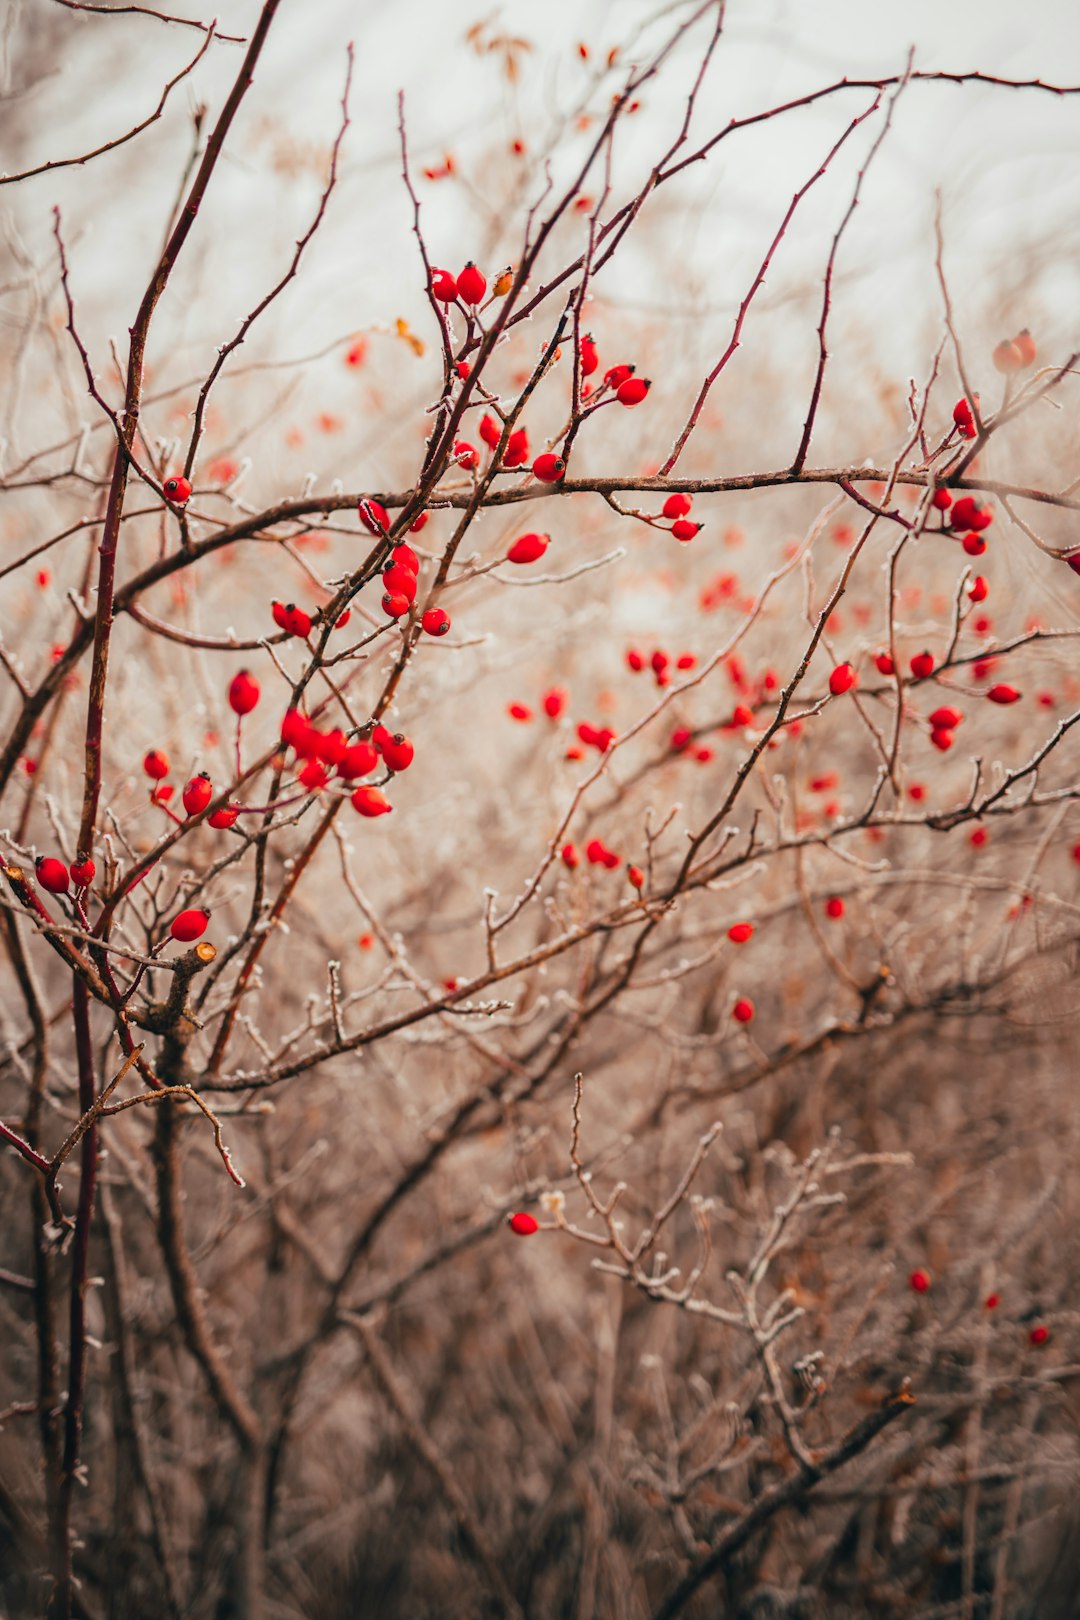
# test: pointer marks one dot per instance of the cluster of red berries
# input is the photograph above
(326, 753)
(967, 518)
(467, 287)
(659, 662)
(516, 453)
(57, 878)
(1015, 354)
(964, 417)
(943, 722)
(677, 508)
(625, 386)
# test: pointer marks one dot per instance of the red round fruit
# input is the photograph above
(400, 581)
(549, 468)
(398, 752)
(922, 665)
(684, 530)
(471, 284)
(443, 286)
(436, 621)
(395, 604)
(635, 876)
(418, 523)
(404, 556)
(842, 679)
(198, 793)
(919, 1281)
(743, 1010)
(52, 874)
(946, 718)
(1039, 1333)
(373, 515)
(189, 925)
(82, 873)
(615, 376)
(156, 764)
(633, 390)
(569, 856)
(1007, 357)
(978, 589)
(1003, 694)
(529, 548)
(298, 732)
(466, 455)
(589, 357)
(313, 775)
(517, 449)
(554, 701)
(884, 664)
(834, 906)
(942, 499)
(370, 802)
(243, 692)
(490, 431)
(522, 1224)
(224, 817)
(740, 932)
(177, 490)
(359, 759)
(677, 505)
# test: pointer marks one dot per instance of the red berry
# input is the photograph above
(225, 817)
(198, 793)
(177, 490)
(517, 449)
(380, 736)
(519, 711)
(991, 1302)
(684, 530)
(635, 660)
(1007, 357)
(834, 906)
(404, 556)
(962, 413)
(589, 357)
(313, 774)
(1003, 694)
(743, 1010)
(973, 544)
(569, 856)
(359, 759)
(554, 701)
(418, 523)
(52, 874)
(1039, 1333)
(395, 604)
(330, 746)
(922, 665)
(528, 548)
(884, 664)
(471, 284)
(978, 589)
(842, 679)
(1026, 345)
(189, 925)
(243, 692)
(740, 932)
(443, 286)
(549, 468)
(291, 619)
(635, 876)
(298, 732)
(942, 499)
(946, 718)
(617, 375)
(633, 390)
(523, 1225)
(978, 837)
(398, 752)
(919, 1281)
(942, 738)
(373, 515)
(82, 873)
(466, 455)
(490, 431)
(370, 802)
(400, 581)
(156, 764)
(436, 621)
(677, 505)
